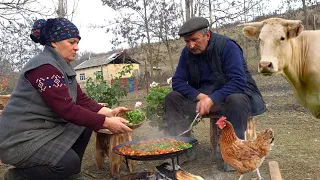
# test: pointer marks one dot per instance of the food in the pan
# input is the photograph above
(154, 147)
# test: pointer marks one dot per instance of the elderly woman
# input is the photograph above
(48, 121)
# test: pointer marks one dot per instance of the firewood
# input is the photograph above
(183, 175)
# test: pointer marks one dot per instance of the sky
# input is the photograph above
(93, 12)
(89, 12)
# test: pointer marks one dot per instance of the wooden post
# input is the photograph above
(214, 137)
(274, 171)
(251, 132)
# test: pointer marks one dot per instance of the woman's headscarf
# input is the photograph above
(53, 30)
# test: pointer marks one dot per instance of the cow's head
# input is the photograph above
(274, 36)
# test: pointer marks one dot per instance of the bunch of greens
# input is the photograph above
(135, 116)
(154, 106)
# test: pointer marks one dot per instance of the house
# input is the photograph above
(109, 67)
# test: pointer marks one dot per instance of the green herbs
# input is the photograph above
(154, 106)
(135, 116)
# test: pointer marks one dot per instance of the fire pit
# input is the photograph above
(162, 172)
(142, 176)
(172, 155)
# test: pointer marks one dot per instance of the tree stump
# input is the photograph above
(105, 142)
(3, 100)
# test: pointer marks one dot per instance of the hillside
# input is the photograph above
(250, 48)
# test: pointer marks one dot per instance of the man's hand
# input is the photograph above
(201, 96)
(116, 125)
(204, 105)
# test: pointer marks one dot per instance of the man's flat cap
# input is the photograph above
(192, 25)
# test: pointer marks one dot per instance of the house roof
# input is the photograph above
(115, 58)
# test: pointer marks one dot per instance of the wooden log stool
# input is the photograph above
(215, 132)
(4, 100)
(105, 142)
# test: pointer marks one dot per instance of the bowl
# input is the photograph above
(135, 126)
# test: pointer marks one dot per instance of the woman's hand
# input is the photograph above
(116, 125)
(112, 112)
(117, 110)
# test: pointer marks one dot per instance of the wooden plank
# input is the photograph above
(274, 171)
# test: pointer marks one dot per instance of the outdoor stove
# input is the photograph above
(174, 155)
(143, 176)
(164, 171)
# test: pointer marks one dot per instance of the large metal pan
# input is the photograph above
(158, 156)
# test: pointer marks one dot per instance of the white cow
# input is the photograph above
(287, 49)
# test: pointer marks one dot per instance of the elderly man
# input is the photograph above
(211, 77)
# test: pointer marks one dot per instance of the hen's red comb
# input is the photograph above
(222, 118)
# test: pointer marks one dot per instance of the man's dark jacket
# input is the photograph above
(218, 72)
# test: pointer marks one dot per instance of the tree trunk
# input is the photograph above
(146, 74)
(210, 15)
(187, 7)
(149, 54)
(182, 11)
(305, 12)
(61, 9)
(215, 18)
(245, 20)
(244, 11)
(191, 9)
(170, 57)
(314, 22)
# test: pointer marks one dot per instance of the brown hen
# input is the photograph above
(244, 156)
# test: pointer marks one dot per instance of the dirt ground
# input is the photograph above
(297, 140)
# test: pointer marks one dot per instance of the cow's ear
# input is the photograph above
(251, 32)
(295, 30)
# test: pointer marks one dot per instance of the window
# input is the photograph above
(82, 77)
